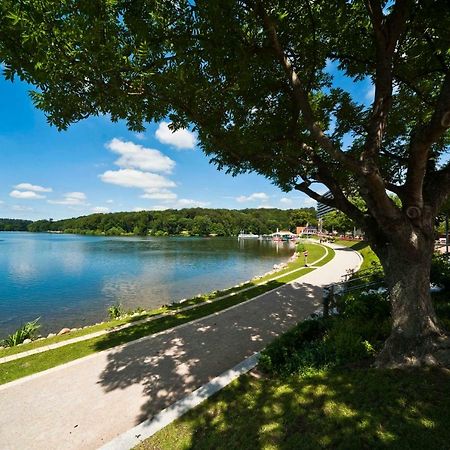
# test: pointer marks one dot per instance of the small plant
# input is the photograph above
(116, 311)
(26, 331)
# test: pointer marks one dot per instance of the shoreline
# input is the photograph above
(143, 313)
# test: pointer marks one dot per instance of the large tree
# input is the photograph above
(252, 78)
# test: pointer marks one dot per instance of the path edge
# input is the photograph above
(129, 439)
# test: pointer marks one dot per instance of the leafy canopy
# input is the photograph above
(251, 78)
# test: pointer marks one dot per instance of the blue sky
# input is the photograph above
(100, 166)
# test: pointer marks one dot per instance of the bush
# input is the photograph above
(314, 345)
(373, 304)
(299, 347)
(440, 271)
(116, 311)
(26, 331)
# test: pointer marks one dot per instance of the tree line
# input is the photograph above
(188, 221)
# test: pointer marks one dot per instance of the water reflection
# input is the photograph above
(70, 280)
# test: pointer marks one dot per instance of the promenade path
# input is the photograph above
(88, 402)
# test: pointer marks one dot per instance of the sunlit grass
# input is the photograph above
(339, 409)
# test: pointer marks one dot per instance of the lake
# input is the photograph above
(70, 280)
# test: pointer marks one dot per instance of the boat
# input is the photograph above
(243, 235)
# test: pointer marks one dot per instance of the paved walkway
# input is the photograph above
(86, 403)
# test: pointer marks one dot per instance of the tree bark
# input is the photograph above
(416, 337)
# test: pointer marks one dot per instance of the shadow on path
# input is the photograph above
(177, 362)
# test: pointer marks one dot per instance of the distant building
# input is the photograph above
(324, 209)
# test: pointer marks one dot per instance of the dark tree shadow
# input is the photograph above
(168, 366)
(357, 409)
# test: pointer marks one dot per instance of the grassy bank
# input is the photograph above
(38, 362)
(341, 409)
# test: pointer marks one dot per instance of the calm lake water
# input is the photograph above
(70, 280)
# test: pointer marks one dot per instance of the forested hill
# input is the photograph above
(193, 221)
(14, 224)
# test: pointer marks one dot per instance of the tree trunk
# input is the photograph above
(416, 338)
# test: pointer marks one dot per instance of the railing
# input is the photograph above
(337, 289)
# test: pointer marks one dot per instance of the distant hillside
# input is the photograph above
(188, 221)
(14, 224)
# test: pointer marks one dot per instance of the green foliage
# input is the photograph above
(313, 345)
(364, 304)
(116, 311)
(26, 331)
(440, 271)
(337, 221)
(14, 224)
(188, 221)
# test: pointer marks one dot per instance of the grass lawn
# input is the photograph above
(28, 365)
(341, 409)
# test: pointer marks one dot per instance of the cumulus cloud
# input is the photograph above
(32, 187)
(132, 178)
(286, 201)
(109, 201)
(265, 206)
(135, 156)
(25, 195)
(257, 196)
(138, 209)
(163, 194)
(100, 209)
(180, 139)
(71, 198)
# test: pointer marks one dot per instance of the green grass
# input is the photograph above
(41, 361)
(369, 257)
(341, 409)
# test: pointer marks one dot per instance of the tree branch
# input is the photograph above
(421, 143)
(301, 96)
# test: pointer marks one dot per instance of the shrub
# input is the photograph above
(372, 304)
(440, 271)
(116, 311)
(26, 331)
(299, 347)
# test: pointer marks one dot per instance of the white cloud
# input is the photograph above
(100, 209)
(138, 208)
(137, 179)
(286, 201)
(32, 187)
(135, 156)
(163, 194)
(265, 206)
(71, 198)
(140, 136)
(180, 139)
(109, 201)
(25, 195)
(261, 196)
